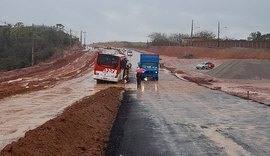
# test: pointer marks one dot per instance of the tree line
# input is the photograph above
(163, 39)
(258, 36)
(18, 40)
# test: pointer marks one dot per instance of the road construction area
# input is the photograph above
(174, 117)
(171, 116)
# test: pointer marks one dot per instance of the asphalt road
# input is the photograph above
(174, 117)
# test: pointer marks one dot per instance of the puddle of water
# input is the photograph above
(21, 113)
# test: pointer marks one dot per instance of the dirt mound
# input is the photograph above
(82, 129)
(243, 69)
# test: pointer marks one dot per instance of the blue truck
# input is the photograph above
(150, 63)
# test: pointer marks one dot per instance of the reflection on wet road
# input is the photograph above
(173, 117)
(165, 117)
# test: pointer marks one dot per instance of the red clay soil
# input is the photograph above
(217, 53)
(82, 129)
(14, 74)
(199, 80)
(45, 75)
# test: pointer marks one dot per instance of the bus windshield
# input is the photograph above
(107, 60)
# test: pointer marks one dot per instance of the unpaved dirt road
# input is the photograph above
(165, 117)
(23, 112)
(174, 117)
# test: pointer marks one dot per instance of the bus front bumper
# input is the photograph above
(99, 77)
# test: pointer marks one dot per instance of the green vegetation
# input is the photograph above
(258, 36)
(17, 42)
(162, 39)
(188, 56)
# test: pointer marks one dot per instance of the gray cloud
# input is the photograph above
(107, 20)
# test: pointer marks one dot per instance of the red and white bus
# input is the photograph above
(109, 67)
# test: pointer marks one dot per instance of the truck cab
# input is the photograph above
(150, 63)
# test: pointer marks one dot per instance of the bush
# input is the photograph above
(189, 56)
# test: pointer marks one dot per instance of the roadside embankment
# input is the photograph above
(45, 75)
(216, 53)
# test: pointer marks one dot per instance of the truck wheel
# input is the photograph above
(99, 81)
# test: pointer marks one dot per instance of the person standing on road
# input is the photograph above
(128, 66)
(139, 79)
(127, 75)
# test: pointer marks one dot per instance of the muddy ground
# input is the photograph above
(82, 129)
(25, 112)
(45, 75)
(69, 80)
(172, 59)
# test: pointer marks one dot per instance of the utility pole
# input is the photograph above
(81, 38)
(191, 35)
(84, 39)
(33, 61)
(218, 32)
(33, 44)
(70, 37)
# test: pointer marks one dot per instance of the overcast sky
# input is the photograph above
(134, 20)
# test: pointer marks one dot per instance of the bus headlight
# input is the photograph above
(156, 72)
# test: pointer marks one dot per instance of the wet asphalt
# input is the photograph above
(174, 117)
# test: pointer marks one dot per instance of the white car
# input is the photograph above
(129, 53)
(205, 65)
